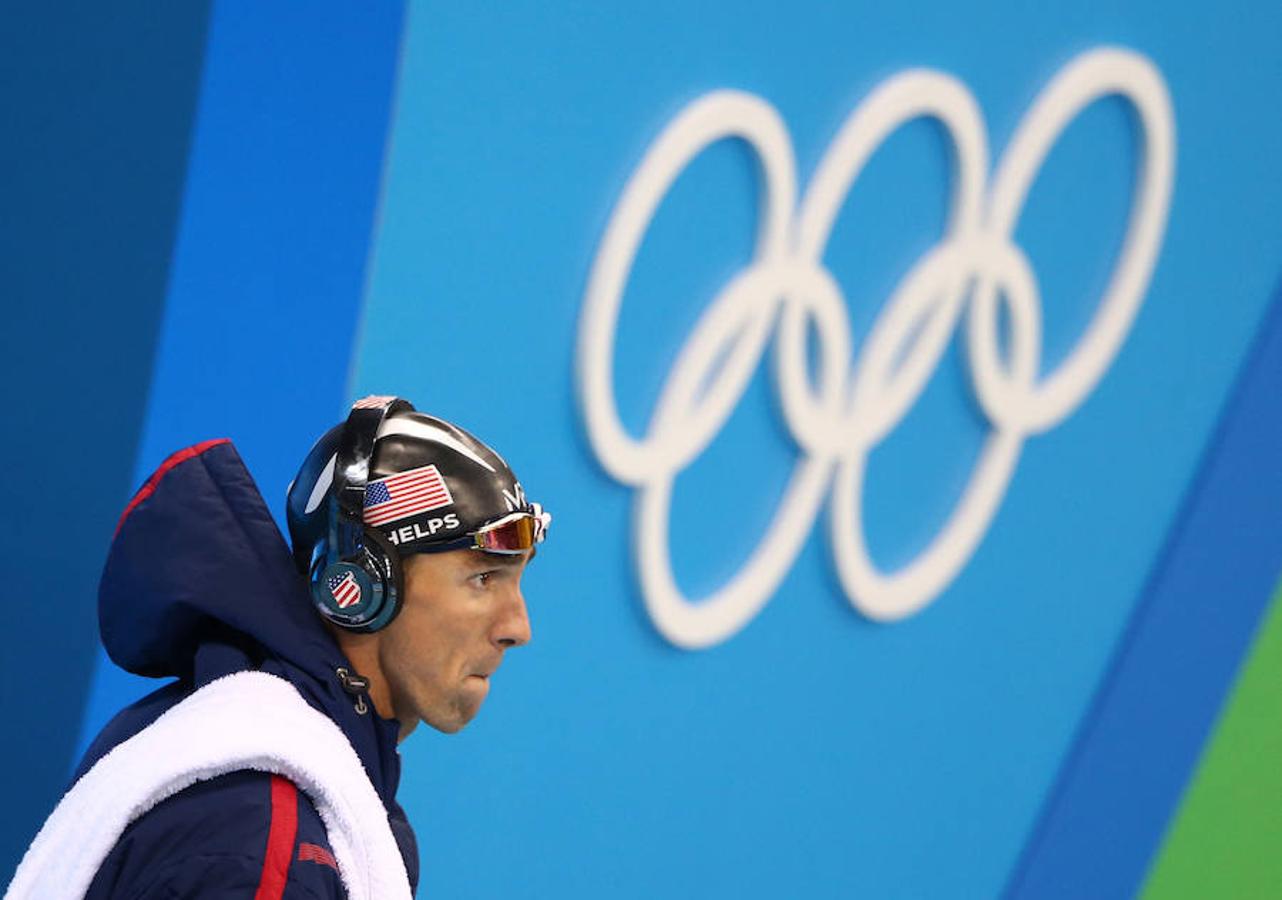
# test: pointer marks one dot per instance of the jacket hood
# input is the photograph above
(197, 553)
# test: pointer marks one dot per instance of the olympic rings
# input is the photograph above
(838, 420)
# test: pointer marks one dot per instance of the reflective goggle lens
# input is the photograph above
(515, 534)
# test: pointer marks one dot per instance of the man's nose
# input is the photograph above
(513, 628)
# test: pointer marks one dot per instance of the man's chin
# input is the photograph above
(456, 720)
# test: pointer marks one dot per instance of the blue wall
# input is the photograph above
(269, 265)
(815, 751)
(98, 106)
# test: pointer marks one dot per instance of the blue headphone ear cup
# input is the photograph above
(345, 594)
(386, 562)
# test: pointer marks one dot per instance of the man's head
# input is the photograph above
(414, 535)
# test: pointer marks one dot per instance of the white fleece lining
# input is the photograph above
(249, 720)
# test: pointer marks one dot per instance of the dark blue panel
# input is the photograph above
(264, 302)
(1176, 662)
(97, 102)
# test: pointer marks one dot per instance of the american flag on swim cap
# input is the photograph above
(344, 589)
(405, 494)
(373, 401)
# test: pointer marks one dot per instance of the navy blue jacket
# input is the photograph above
(199, 584)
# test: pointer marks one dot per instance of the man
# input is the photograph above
(269, 767)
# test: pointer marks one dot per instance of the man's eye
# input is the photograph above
(481, 579)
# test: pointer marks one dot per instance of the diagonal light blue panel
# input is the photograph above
(269, 270)
(815, 753)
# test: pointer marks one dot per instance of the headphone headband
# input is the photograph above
(356, 449)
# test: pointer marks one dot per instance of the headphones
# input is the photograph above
(356, 577)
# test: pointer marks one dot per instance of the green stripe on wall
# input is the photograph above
(1226, 839)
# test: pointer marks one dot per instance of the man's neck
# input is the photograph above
(361, 651)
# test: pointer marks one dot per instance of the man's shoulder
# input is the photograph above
(230, 834)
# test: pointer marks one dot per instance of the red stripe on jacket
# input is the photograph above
(317, 854)
(280, 840)
(154, 481)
